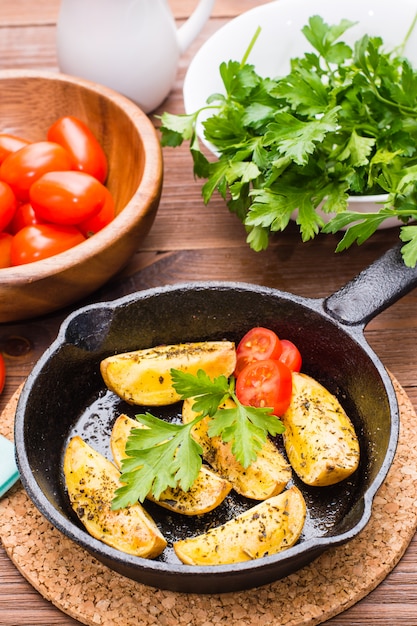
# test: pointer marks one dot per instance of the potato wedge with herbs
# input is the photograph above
(208, 491)
(267, 476)
(267, 528)
(91, 481)
(143, 376)
(319, 438)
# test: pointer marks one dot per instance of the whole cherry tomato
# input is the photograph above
(41, 241)
(82, 145)
(10, 143)
(22, 168)
(257, 345)
(24, 216)
(8, 205)
(67, 197)
(265, 383)
(2, 373)
(5, 249)
(290, 355)
(94, 224)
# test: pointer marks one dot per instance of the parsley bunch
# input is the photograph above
(165, 455)
(342, 122)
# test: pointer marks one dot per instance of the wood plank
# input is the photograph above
(27, 12)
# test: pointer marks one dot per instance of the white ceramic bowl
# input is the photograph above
(281, 39)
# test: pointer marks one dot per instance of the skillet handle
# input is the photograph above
(373, 290)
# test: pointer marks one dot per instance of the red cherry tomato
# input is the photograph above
(22, 168)
(41, 241)
(5, 249)
(2, 373)
(265, 383)
(24, 216)
(94, 224)
(257, 345)
(8, 205)
(81, 143)
(290, 355)
(67, 197)
(10, 143)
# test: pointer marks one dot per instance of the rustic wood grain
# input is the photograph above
(46, 11)
(190, 241)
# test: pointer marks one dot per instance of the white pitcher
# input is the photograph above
(132, 46)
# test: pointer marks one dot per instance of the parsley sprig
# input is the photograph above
(342, 122)
(164, 454)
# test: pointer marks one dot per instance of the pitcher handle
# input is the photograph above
(191, 28)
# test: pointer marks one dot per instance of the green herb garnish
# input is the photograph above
(165, 455)
(342, 122)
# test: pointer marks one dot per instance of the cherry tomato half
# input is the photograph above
(41, 241)
(2, 373)
(94, 224)
(10, 143)
(67, 197)
(257, 345)
(5, 249)
(8, 205)
(22, 168)
(81, 143)
(265, 383)
(290, 355)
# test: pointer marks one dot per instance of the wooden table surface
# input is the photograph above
(192, 242)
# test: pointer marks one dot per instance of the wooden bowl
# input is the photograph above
(30, 102)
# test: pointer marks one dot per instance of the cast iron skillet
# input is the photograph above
(65, 394)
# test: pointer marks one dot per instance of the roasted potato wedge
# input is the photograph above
(319, 438)
(208, 491)
(143, 376)
(267, 528)
(267, 476)
(91, 481)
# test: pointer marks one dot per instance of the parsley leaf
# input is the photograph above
(159, 456)
(164, 454)
(297, 139)
(208, 394)
(342, 122)
(324, 39)
(409, 234)
(245, 427)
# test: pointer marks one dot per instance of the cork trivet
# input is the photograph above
(332, 583)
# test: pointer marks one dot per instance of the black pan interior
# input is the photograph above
(65, 395)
